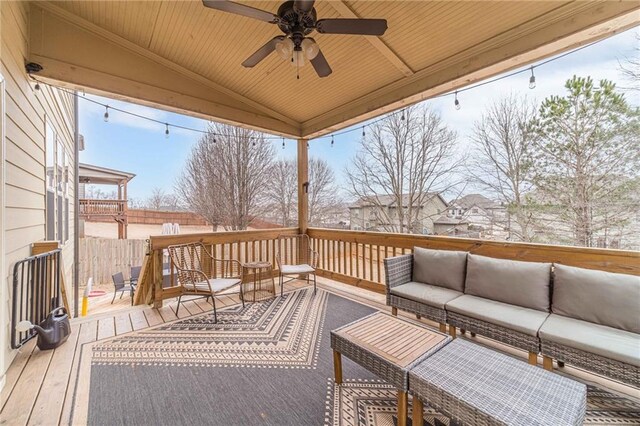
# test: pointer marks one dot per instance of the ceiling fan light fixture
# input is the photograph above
(297, 59)
(310, 48)
(285, 48)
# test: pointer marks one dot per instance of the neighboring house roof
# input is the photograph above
(88, 173)
(470, 200)
(390, 200)
(446, 220)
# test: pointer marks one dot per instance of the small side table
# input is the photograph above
(257, 281)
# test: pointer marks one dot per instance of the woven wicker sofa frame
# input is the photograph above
(598, 364)
(399, 270)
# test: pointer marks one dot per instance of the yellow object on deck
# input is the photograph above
(85, 302)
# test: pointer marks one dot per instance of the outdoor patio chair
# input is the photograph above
(121, 286)
(200, 274)
(295, 258)
(135, 274)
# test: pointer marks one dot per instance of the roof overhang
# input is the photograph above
(185, 58)
(88, 173)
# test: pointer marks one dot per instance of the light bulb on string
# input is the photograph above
(457, 102)
(532, 80)
(37, 86)
(166, 131)
(106, 114)
(282, 143)
(402, 116)
(332, 141)
(363, 133)
(253, 141)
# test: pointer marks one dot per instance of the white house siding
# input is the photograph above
(25, 114)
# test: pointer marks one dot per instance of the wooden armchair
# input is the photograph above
(200, 274)
(295, 257)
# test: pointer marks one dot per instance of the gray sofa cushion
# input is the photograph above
(597, 296)
(443, 268)
(523, 284)
(513, 317)
(425, 293)
(606, 341)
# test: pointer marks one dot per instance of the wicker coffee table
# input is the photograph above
(473, 384)
(389, 347)
(257, 281)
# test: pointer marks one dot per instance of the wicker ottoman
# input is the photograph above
(476, 385)
(387, 346)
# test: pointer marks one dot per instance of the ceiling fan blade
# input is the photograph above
(321, 65)
(262, 53)
(241, 9)
(304, 6)
(374, 27)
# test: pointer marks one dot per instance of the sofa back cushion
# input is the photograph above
(443, 268)
(600, 297)
(523, 284)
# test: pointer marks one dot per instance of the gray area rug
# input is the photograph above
(269, 363)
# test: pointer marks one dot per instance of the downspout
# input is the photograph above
(76, 205)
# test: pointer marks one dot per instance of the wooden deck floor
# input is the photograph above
(40, 384)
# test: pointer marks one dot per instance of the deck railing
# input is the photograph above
(356, 257)
(92, 207)
(244, 246)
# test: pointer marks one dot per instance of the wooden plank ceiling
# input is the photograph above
(423, 38)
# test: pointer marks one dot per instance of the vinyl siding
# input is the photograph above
(26, 112)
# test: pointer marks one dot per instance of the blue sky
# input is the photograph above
(139, 146)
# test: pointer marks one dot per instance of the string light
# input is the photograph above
(253, 143)
(363, 133)
(166, 132)
(282, 143)
(532, 80)
(532, 85)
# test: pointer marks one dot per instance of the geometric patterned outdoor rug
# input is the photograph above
(265, 363)
(281, 333)
(373, 403)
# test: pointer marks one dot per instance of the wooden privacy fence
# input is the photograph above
(102, 257)
(244, 246)
(356, 257)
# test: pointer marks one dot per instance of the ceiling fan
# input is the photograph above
(297, 19)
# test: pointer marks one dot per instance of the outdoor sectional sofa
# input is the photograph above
(584, 317)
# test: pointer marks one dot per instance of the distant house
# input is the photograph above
(380, 213)
(450, 226)
(483, 215)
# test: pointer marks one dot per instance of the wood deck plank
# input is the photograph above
(106, 328)
(138, 320)
(123, 324)
(17, 367)
(192, 307)
(153, 317)
(50, 399)
(168, 313)
(23, 397)
(88, 334)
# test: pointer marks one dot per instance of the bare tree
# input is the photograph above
(282, 193)
(157, 199)
(323, 192)
(226, 175)
(630, 67)
(499, 163)
(406, 157)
